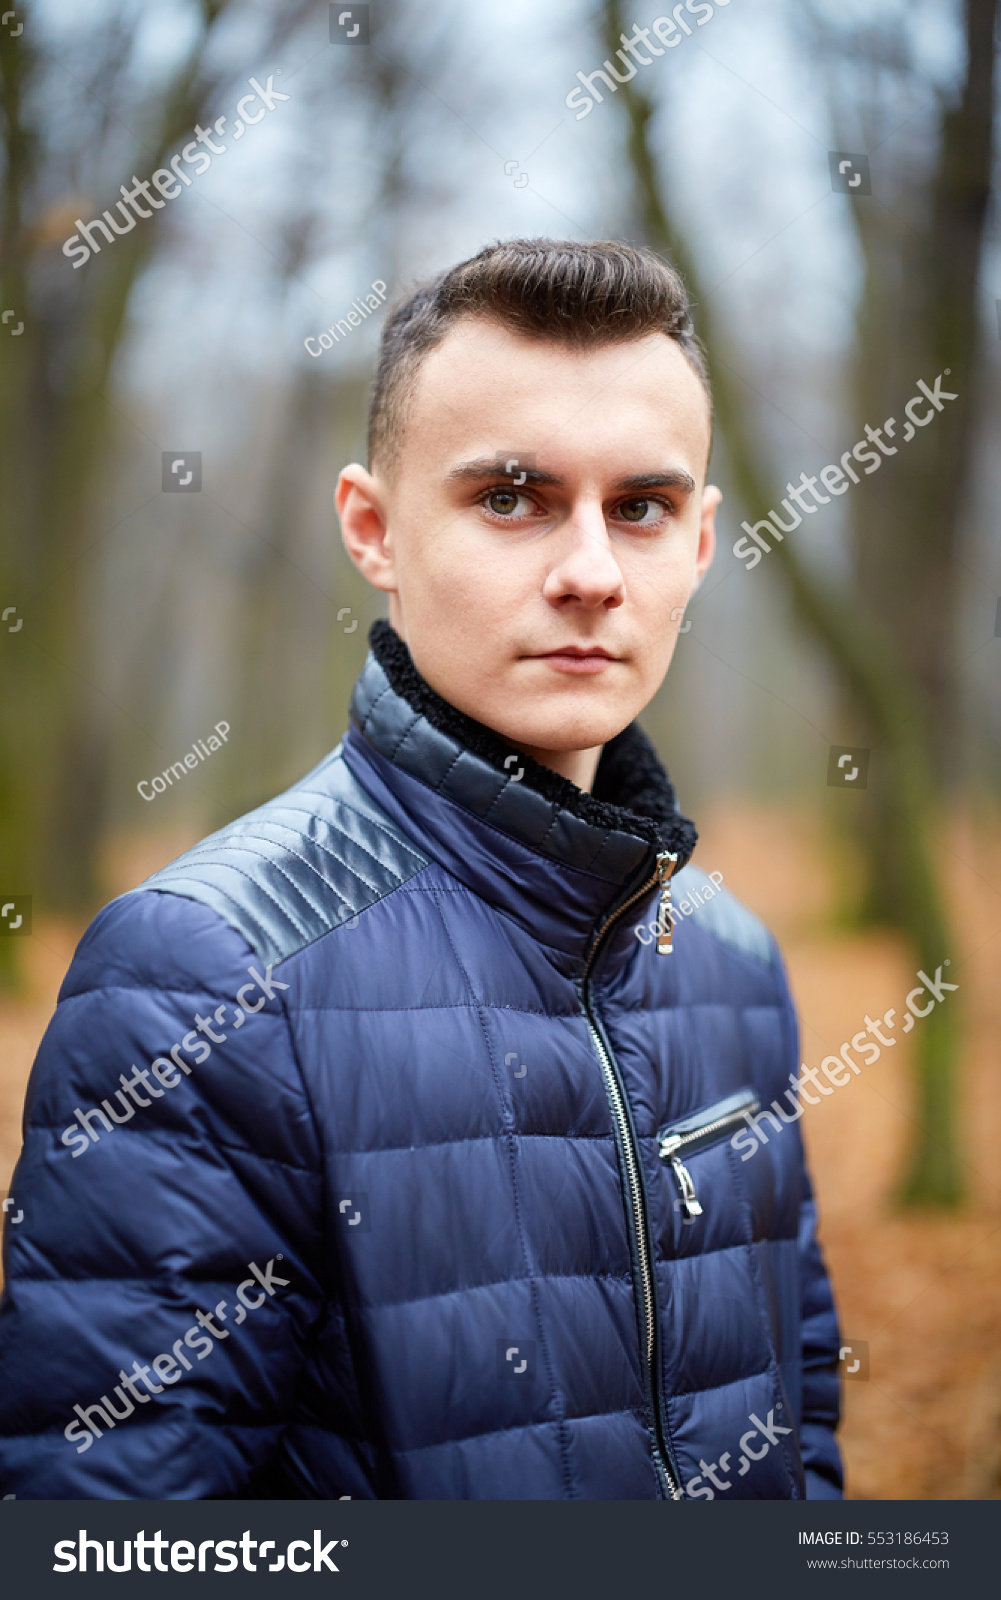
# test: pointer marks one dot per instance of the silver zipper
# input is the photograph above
(666, 866)
(671, 1143)
(631, 1162)
(689, 1199)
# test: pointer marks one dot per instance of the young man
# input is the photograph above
(376, 1149)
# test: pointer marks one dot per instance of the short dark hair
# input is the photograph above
(574, 294)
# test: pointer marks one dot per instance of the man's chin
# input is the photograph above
(553, 712)
(559, 733)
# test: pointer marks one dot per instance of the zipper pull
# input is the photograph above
(666, 864)
(689, 1199)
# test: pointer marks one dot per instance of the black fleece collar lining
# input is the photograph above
(632, 792)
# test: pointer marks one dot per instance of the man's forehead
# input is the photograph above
(478, 349)
(483, 376)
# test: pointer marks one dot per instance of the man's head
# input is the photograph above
(536, 505)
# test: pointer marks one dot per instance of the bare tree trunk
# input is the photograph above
(56, 420)
(917, 319)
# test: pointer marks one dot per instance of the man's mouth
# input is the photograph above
(578, 658)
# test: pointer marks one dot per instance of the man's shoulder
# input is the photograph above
(281, 876)
(711, 906)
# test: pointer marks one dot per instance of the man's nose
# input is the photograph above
(585, 569)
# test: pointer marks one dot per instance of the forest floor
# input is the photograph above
(923, 1291)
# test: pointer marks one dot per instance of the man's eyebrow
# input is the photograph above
(497, 467)
(675, 478)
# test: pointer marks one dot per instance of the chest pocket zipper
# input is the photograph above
(698, 1131)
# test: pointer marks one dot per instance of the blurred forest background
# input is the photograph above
(134, 620)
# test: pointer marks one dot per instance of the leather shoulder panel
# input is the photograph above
(722, 915)
(304, 863)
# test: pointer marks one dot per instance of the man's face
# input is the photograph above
(543, 529)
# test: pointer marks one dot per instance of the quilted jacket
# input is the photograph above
(375, 1151)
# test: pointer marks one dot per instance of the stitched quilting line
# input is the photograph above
(179, 1281)
(373, 705)
(331, 1305)
(502, 1009)
(717, 1388)
(234, 833)
(373, 821)
(545, 839)
(301, 1008)
(555, 1395)
(375, 1306)
(302, 932)
(236, 843)
(376, 1010)
(506, 781)
(439, 786)
(346, 1152)
(173, 1137)
(169, 1418)
(237, 847)
(305, 1425)
(506, 1009)
(245, 915)
(415, 722)
(414, 719)
(516, 1427)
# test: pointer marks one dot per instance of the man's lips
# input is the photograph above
(578, 658)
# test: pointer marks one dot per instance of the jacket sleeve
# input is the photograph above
(161, 1285)
(820, 1339)
(821, 1400)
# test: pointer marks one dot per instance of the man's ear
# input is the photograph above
(361, 506)
(711, 498)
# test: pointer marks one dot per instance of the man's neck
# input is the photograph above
(579, 766)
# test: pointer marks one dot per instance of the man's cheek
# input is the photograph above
(654, 661)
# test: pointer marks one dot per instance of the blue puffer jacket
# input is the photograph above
(371, 1152)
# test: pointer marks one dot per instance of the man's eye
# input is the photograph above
(504, 502)
(641, 510)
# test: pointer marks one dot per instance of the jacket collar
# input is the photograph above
(519, 835)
